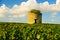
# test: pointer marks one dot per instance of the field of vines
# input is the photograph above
(20, 31)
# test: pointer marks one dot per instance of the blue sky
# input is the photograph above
(11, 3)
(46, 16)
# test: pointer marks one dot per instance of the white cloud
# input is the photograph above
(58, 2)
(54, 15)
(17, 16)
(3, 10)
(11, 19)
(52, 20)
(1, 15)
(31, 4)
(46, 7)
(54, 8)
(22, 10)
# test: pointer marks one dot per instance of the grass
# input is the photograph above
(22, 31)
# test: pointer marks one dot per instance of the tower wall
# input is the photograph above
(34, 16)
(31, 18)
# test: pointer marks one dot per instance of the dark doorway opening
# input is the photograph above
(35, 20)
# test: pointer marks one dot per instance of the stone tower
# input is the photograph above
(34, 16)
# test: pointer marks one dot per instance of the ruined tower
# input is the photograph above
(34, 16)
